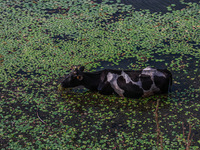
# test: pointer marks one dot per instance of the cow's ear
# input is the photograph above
(79, 77)
(81, 68)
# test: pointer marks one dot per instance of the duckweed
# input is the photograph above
(41, 40)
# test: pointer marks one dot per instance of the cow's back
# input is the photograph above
(137, 84)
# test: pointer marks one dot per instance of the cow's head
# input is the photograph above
(73, 79)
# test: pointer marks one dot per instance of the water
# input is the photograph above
(154, 5)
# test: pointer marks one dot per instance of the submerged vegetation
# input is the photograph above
(41, 40)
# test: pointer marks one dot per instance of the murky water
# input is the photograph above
(109, 119)
(155, 5)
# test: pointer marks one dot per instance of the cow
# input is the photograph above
(125, 83)
(89, 80)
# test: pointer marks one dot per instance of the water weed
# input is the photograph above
(41, 40)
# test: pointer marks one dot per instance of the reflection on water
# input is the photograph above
(154, 5)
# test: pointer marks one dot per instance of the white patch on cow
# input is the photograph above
(112, 78)
(148, 68)
(152, 72)
(128, 79)
(139, 83)
(147, 71)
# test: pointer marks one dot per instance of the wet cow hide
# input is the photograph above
(125, 83)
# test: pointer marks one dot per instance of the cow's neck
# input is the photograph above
(91, 80)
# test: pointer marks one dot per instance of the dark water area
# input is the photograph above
(154, 5)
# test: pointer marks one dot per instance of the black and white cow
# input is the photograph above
(125, 83)
(89, 80)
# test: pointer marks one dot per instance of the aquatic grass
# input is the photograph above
(41, 40)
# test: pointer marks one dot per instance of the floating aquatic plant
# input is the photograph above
(41, 40)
